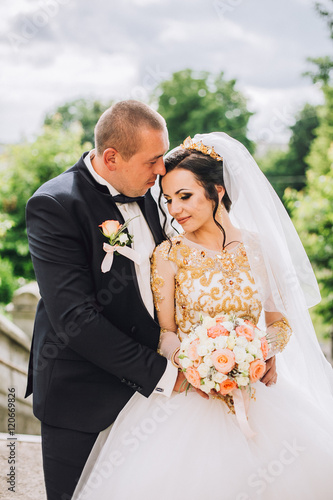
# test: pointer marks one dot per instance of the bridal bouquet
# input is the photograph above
(223, 354)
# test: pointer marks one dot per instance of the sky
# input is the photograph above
(54, 51)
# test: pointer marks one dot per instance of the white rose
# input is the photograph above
(228, 325)
(219, 377)
(123, 238)
(200, 331)
(242, 381)
(207, 386)
(203, 370)
(208, 361)
(243, 367)
(220, 342)
(249, 358)
(256, 343)
(186, 362)
(252, 350)
(231, 342)
(208, 322)
(240, 354)
(203, 349)
(241, 341)
(205, 389)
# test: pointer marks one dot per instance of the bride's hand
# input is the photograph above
(180, 385)
(270, 376)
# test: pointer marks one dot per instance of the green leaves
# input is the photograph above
(201, 102)
(312, 209)
(23, 168)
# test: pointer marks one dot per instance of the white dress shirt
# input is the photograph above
(144, 244)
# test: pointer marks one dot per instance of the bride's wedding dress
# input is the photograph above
(187, 447)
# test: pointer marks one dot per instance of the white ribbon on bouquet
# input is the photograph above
(241, 404)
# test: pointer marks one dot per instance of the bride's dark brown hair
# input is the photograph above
(208, 173)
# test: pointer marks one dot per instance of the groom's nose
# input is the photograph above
(159, 167)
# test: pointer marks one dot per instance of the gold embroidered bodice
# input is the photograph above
(204, 281)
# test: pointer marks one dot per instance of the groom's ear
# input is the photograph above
(110, 157)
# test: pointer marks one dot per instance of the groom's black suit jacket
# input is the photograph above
(94, 341)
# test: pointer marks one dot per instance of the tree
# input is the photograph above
(287, 168)
(324, 65)
(83, 111)
(312, 208)
(313, 218)
(319, 157)
(201, 102)
(24, 167)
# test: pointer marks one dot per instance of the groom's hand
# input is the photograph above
(181, 384)
(270, 376)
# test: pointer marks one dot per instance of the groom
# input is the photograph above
(96, 334)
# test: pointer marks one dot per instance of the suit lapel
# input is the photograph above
(149, 210)
(152, 218)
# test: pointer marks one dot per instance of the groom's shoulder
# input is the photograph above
(63, 184)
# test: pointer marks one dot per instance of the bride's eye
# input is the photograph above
(167, 201)
(186, 196)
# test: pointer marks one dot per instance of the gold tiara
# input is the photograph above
(198, 146)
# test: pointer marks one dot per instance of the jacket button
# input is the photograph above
(133, 329)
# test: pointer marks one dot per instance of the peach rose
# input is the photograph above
(220, 319)
(223, 360)
(193, 377)
(264, 347)
(257, 369)
(227, 386)
(192, 351)
(110, 227)
(217, 331)
(245, 331)
(249, 323)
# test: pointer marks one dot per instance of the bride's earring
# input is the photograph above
(219, 212)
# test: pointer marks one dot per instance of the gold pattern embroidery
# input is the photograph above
(207, 282)
(278, 334)
(156, 283)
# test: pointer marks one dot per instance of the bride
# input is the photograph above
(239, 254)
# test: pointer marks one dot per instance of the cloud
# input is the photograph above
(70, 48)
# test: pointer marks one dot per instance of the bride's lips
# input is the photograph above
(183, 220)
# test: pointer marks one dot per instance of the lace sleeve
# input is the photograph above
(278, 334)
(163, 272)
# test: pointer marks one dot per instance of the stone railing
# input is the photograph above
(14, 357)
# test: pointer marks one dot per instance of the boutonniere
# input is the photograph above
(118, 241)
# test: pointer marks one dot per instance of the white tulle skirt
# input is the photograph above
(187, 447)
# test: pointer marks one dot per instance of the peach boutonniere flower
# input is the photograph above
(110, 227)
(119, 242)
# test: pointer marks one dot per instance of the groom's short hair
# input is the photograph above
(120, 125)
